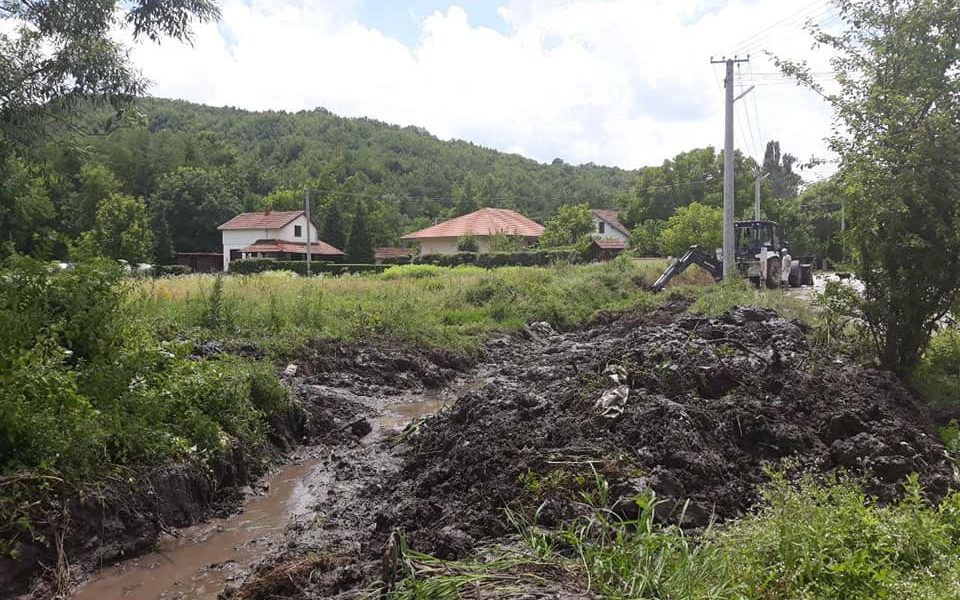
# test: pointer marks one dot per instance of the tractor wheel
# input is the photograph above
(773, 274)
(794, 274)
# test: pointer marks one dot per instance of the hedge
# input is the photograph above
(528, 258)
(161, 270)
(247, 266)
(397, 260)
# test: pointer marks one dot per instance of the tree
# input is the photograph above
(195, 202)
(122, 230)
(359, 247)
(25, 205)
(897, 132)
(645, 237)
(568, 226)
(693, 224)
(58, 53)
(783, 181)
(694, 176)
(334, 229)
(466, 197)
(94, 183)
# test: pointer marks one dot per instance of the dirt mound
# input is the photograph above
(694, 410)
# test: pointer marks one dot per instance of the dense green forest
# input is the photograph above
(196, 166)
(165, 175)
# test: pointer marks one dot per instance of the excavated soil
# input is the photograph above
(694, 409)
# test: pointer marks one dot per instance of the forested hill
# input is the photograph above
(195, 166)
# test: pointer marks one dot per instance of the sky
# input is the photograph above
(623, 83)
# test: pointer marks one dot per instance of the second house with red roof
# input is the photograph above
(481, 225)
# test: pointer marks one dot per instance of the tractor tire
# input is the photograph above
(794, 274)
(773, 274)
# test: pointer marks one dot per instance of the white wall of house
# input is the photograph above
(236, 239)
(608, 233)
(287, 233)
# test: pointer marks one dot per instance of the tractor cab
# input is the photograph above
(752, 236)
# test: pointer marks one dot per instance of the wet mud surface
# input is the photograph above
(694, 409)
(435, 448)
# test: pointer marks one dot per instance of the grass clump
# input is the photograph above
(814, 539)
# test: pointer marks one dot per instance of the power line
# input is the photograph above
(754, 39)
(756, 112)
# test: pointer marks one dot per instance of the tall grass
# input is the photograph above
(424, 305)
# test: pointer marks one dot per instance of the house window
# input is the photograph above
(297, 231)
(601, 227)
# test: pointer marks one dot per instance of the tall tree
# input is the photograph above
(334, 230)
(466, 196)
(784, 183)
(568, 226)
(122, 230)
(25, 205)
(359, 246)
(898, 137)
(195, 202)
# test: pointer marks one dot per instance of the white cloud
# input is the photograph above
(618, 82)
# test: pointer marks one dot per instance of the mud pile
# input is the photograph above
(693, 408)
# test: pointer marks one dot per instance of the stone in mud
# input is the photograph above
(360, 427)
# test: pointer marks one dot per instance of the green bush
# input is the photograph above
(165, 270)
(249, 266)
(489, 260)
(245, 266)
(413, 271)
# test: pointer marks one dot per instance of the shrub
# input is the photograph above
(468, 244)
(412, 271)
(489, 260)
(245, 266)
(170, 270)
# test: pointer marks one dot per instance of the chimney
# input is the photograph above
(268, 210)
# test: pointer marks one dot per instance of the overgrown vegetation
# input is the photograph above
(418, 304)
(86, 387)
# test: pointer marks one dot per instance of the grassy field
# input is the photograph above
(452, 308)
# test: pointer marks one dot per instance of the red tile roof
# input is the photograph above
(613, 218)
(261, 220)
(610, 244)
(484, 222)
(317, 247)
(387, 252)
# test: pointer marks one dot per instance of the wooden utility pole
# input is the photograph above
(306, 204)
(729, 214)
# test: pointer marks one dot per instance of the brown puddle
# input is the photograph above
(202, 560)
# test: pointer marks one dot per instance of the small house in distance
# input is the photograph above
(280, 235)
(604, 250)
(607, 226)
(481, 225)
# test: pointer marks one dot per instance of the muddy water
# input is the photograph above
(201, 561)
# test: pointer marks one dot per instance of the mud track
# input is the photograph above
(691, 408)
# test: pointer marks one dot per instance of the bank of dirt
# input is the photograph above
(83, 530)
(694, 409)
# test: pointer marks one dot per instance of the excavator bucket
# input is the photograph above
(695, 255)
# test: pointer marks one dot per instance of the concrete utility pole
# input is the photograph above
(729, 214)
(306, 204)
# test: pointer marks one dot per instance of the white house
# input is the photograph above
(607, 226)
(273, 234)
(481, 225)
